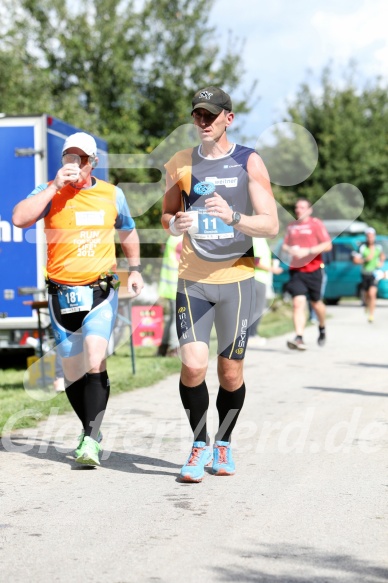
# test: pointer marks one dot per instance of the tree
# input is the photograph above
(20, 72)
(122, 72)
(127, 74)
(350, 127)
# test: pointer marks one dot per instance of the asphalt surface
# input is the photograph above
(308, 503)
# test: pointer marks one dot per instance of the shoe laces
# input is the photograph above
(92, 443)
(194, 456)
(222, 454)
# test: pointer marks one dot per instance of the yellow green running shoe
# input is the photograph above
(80, 440)
(89, 452)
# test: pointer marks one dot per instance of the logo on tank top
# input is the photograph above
(204, 188)
(228, 182)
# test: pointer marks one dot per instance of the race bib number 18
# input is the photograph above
(75, 299)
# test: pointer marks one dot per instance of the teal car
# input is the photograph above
(343, 276)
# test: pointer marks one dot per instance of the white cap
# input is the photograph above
(370, 230)
(82, 141)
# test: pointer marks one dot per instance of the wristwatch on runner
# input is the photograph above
(135, 268)
(236, 218)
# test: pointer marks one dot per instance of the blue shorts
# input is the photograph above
(229, 306)
(70, 330)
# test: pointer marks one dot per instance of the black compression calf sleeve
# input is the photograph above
(229, 405)
(96, 397)
(75, 394)
(196, 403)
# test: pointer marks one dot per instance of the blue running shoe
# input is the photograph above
(194, 469)
(223, 464)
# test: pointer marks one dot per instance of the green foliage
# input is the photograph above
(350, 127)
(122, 72)
(21, 76)
(127, 75)
(277, 320)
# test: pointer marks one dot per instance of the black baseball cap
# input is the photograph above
(213, 99)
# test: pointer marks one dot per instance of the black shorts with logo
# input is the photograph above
(304, 283)
(230, 306)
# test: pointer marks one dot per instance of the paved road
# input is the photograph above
(308, 504)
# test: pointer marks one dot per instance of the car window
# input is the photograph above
(328, 256)
(384, 244)
(343, 252)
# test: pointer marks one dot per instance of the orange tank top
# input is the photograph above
(80, 229)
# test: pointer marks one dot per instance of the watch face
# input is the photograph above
(236, 218)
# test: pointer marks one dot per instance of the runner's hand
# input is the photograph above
(300, 252)
(135, 284)
(218, 207)
(183, 221)
(65, 175)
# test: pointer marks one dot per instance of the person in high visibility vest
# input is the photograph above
(168, 284)
(263, 280)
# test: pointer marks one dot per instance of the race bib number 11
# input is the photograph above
(210, 227)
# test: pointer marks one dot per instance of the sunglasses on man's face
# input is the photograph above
(206, 117)
(76, 159)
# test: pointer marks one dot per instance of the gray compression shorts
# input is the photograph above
(230, 306)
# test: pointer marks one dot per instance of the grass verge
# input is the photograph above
(278, 320)
(14, 400)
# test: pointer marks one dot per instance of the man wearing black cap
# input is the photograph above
(219, 195)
